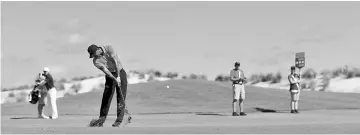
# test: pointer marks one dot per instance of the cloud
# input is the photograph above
(317, 34)
(136, 60)
(70, 37)
(17, 59)
(57, 70)
(213, 55)
(76, 38)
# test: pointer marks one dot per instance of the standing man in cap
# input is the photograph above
(294, 80)
(49, 85)
(238, 79)
(107, 60)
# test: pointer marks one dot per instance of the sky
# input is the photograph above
(185, 37)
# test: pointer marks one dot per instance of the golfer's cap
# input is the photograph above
(292, 68)
(237, 63)
(46, 69)
(92, 49)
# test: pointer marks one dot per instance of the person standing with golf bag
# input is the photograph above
(48, 82)
(107, 60)
(39, 90)
(294, 80)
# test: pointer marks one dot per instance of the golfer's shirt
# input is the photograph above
(49, 81)
(237, 74)
(106, 59)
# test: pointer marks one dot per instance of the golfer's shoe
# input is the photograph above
(296, 111)
(242, 114)
(119, 123)
(43, 116)
(292, 111)
(97, 122)
(54, 117)
(235, 114)
(116, 123)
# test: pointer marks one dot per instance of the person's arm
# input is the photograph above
(243, 78)
(115, 59)
(291, 79)
(107, 72)
(104, 69)
(42, 82)
(298, 78)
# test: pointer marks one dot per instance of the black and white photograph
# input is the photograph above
(180, 67)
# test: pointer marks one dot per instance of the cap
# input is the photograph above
(237, 63)
(292, 67)
(46, 69)
(92, 49)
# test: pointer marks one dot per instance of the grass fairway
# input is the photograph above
(194, 106)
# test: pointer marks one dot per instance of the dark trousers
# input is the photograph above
(110, 86)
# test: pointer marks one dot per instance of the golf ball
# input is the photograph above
(167, 86)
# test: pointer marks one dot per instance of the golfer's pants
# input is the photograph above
(110, 86)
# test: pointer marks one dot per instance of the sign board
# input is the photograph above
(300, 60)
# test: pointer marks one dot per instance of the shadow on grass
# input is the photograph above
(22, 118)
(212, 114)
(264, 110)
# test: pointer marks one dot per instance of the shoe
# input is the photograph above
(51, 117)
(116, 123)
(296, 111)
(43, 116)
(242, 114)
(292, 111)
(235, 114)
(97, 122)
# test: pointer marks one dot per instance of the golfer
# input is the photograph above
(294, 80)
(238, 79)
(48, 82)
(43, 96)
(107, 60)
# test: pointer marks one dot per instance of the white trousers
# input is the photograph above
(52, 96)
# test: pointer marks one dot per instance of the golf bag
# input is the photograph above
(34, 96)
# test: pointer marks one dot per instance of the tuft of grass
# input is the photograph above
(22, 97)
(254, 78)
(276, 78)
(309, 74)
(269, 77)
(222, 78)
(355, 72)
(76, 87)
(11, 94)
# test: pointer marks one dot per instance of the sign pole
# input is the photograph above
(300, 62)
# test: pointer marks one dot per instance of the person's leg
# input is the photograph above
(52, 95)
(105, 102)
(292, 102)
(241, 105)
(242, 99)
(41, 104)
(121, 97)
(296, 106)
(236, 94)
(107, 97)
(235, 101)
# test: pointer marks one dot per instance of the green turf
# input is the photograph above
(191, 96)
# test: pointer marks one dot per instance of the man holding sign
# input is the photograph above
(294, 80)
